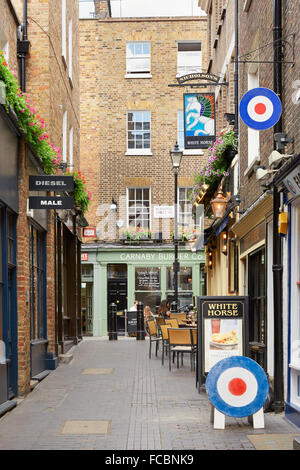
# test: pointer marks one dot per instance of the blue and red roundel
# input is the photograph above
(260, 108)
(237, 386)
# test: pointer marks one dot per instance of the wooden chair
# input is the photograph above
(154, 336)
(165, 340)
(160, 321)
(180, 342)
(180, 317)
(173, 322)
(194, 336)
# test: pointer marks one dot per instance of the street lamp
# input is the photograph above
(176, 156)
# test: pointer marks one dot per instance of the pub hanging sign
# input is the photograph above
(199, 120)
(222, 330)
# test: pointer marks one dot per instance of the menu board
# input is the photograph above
(222, 324)
(147, 279)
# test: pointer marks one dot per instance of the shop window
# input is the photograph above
(139, 208)
(138, 59)
(37, 284)
(138, 130)
(189, 58)
(148, 286)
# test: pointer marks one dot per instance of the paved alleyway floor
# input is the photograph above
(112, 397)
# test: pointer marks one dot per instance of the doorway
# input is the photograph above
(117, 292)
(257, 316)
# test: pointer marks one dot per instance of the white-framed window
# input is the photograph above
(189, 57)
(185, 208)
(71, 164)
(139, 208)
(64, 132)
(63, 30)
(253, 135)
(138, 57)
(70, 39)
(138, 130)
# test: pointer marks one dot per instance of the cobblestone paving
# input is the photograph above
(143, 405)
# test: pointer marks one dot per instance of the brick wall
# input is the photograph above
(52, 92)
(106, 96)
(291, 75)
(255, 31)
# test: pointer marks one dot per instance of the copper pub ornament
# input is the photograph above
(219, 204)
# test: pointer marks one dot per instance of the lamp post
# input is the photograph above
(176, 156)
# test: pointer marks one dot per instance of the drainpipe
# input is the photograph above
(23, 47)
(278, 404)
(236, 68)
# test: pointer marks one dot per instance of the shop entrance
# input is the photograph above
(117, 292)
(257, 317)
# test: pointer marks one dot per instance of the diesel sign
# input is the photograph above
(51, 183)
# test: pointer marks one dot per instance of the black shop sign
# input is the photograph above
(51, 202)
(51, 183)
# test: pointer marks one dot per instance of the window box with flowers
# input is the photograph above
(220, 156)
(136, 235)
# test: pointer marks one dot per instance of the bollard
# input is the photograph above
(140, 331)
(174, 307)
(112, 322)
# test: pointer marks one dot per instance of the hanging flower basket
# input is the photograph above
(220, 156)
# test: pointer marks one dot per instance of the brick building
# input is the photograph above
(40, 296)
(130, 120)
(221, 272)
(267, 257)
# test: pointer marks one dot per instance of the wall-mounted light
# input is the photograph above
(209, 258)
(219, 204)
(224, 243)
(113, 205)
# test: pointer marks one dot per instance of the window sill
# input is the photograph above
(193, 152)
(250, 170)
(136, 152)
(138, 75)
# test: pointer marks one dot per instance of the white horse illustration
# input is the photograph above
(194, 113)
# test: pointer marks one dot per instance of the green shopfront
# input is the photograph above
(119, 274)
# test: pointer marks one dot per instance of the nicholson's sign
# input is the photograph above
(51, 183)
(51, 202)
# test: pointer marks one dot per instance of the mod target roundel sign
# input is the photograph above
(260, 108)
(237, 386)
